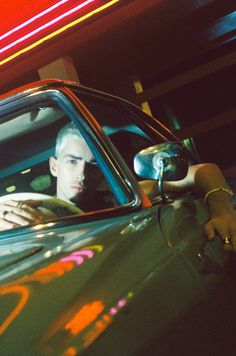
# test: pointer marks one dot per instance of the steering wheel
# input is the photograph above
(48, 202)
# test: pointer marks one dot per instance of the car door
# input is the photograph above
(211, 325)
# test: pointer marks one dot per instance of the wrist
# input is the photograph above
(218, 190)
(219, 201)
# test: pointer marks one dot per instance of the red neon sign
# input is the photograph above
(40, 28)
(30, 20)
(29, 32)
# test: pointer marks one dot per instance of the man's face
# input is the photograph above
(76, 171)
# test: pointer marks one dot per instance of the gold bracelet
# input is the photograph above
(215, 190)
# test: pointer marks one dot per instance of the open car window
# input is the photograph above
(127, 130)
(27, 141)
(111, 128)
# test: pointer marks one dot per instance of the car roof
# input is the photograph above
(51, 83)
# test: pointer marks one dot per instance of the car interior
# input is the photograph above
(26, 145)
(28, 139)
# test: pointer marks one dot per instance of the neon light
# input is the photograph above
(55, 33)
(48, 24)
(36, 17)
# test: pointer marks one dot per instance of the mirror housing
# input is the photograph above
(165, 161)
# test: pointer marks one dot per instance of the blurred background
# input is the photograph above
(174, 58)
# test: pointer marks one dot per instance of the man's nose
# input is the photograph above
(80, 171)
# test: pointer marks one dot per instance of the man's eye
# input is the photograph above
(72, 161)
(94, 163)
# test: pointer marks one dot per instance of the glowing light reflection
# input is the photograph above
(85, 316)
(24, 293)
(104, 321)
(98, 248)
(11, 188)
(98, 329)
(26, 171)
(113, 311)
(54, 270)
(78, 257)
(122, 303)
(71, 351)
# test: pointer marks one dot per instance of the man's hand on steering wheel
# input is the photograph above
(15, 213)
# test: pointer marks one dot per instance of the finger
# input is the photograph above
(228, 233)
(209, 230)
(4, 212)
(4, 208)
(6, 225)
(27, 212)
(32, 203)
(10, 204)
(19, 204)
(13, 218)
(17, 213)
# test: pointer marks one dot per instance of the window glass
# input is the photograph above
(27, 144)
(123, 125)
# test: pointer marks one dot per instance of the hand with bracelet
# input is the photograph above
(222, 215)
(206, 180)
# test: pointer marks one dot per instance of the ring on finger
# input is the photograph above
(227, 240)
(5, 212)
(19, 204)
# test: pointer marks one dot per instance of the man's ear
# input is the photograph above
(53, 166)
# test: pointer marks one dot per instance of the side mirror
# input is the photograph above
(166, 161)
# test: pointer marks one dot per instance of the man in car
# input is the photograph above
(78, 176)
(77, 172)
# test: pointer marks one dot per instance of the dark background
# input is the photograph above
(159, 42)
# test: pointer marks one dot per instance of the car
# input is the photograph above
(133, 276)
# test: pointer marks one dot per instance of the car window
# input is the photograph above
(27, 141)
(27, 138)
(128, 127)
(125, 128)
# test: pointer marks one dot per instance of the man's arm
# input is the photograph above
(209, 182)
(201, 179)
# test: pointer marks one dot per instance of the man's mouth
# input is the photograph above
(78, 188)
